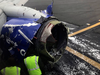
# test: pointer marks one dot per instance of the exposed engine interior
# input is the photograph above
(56, 49)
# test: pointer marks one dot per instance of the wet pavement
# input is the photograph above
(78, 12)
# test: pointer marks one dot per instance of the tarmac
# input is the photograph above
(78, 12)
(82, 17)
(82, 56)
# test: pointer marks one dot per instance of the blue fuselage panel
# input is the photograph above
(17, 34)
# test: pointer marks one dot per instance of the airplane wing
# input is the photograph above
(14, 2)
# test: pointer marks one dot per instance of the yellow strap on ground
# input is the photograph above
(85, 29)
(90, 61)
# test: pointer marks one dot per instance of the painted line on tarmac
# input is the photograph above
(85, 58)
(85, 29)
(76, 53)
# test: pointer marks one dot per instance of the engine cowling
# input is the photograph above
(2, 19)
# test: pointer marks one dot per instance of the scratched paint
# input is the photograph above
(28, 25)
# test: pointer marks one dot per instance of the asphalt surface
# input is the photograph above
(77, 14)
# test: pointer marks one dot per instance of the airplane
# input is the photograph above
(24, 30)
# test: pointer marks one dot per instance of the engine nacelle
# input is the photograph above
(22, 12)
(2, 19)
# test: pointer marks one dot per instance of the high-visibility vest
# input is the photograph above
(32, 65)
(11, 71)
